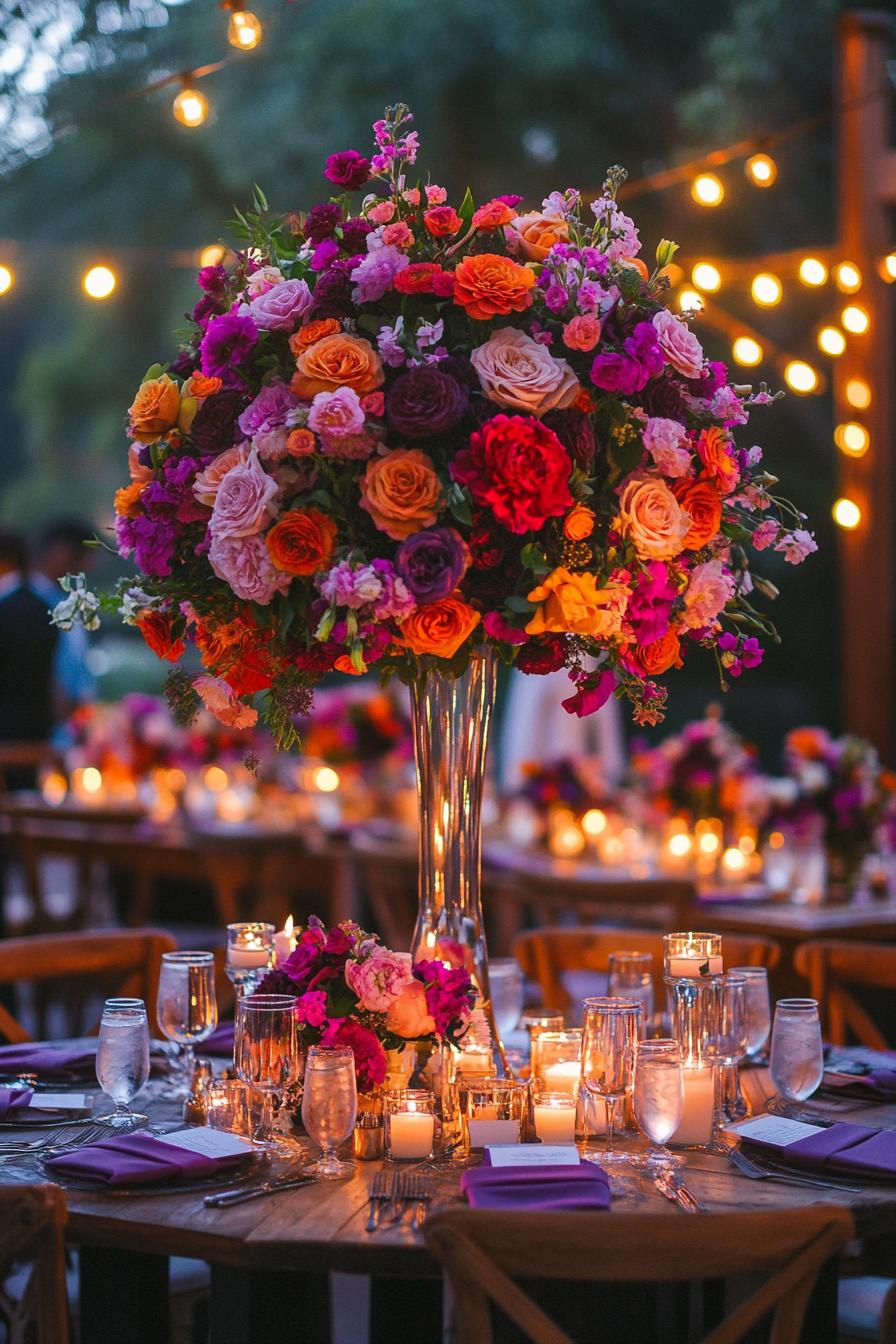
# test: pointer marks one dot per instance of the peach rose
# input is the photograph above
(651, 659)
(573, 604)
(200, 386)
(537, 233)
(312, 333)
(301, 443)
(488, 285)
(702, 504)
(302, 542)
(408, 1015)
(581, 332)
(713, 449)
(401, 492)
(578, 523)
(651, 518)
(516, 371)
(337, 361)
(155, 408)
(439, 628)
(493, 215)
(127, 499)
(205, 486)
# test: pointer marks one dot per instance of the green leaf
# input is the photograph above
(626, 456)
(154, 371)
(259, 200)
(467, 208)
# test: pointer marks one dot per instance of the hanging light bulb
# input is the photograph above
(813, 272)
(766, 289)
(855, 319)
(706, 276)
(746, 351)
(848, 277)
(99, 282)
(707, 190)
(243, 29)
(761, 169)
(832, 341)
(847, 514)
(190, 107)
(800, 376)
(852, 438)
(858, 394)
(7, 279)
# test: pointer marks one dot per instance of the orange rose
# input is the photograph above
(713, 449)
(408, 1015)
(701, 501)
(338, 361)
(492, 215)
(651, 518)
(155, 408)
(440, 627)
(573, 604)
(302, 541)
(315, 331)
(301, 443)
(652, 659)
(538, 233)
(489, 286)
(401, 492)
(578, 523)
(127, 499)
(200, 386)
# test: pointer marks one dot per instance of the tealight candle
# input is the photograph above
(555, 1118)
(563, 1077)
(694, 965)
(251, 954)
(699, 1102)
(689, 955)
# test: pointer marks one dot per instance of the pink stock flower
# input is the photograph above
(664, 440)
(710, 587)
(766, 534)
(796, 546)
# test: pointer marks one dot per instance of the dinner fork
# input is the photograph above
(417, 1190)
(754, 1172)
(64, 1140)
(380, 1194)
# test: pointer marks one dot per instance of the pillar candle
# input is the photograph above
(563, 1077)
(410, 1134)
(555, 1122)
(699, 1102)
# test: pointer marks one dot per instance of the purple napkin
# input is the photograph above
(13, 1099)
(547, 1188)
(137, 1159)
(842, 1147)
(49, 1061)
(878, 1085)
(221, 1040)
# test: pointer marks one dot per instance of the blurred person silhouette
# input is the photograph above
(62, 549)
(28, 644)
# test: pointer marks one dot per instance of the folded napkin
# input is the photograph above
(875, 1085)
(49, 1061)
(854, 1149)
(13, 1099)
(137, 1159)
(549, 1189)
(221, 1040)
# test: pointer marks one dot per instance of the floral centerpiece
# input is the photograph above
(351, 991)
(359, 730)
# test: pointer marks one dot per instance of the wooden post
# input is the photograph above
(867, 192)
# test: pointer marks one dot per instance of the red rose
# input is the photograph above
(156, 629)
(417, 278)
(541, 656)
(519, 469)
(442, 221)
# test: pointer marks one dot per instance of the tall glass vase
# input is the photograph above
(451, 718)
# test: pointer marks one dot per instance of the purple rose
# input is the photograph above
(575, 431)
(283, 307)
(214, 426)
(268, 411)
(425, 401)
(227, 342)
(322, 220)
(630, 369)
(348, 169)
(243, 504)
(432, 563)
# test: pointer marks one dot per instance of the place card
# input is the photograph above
(209, 1142)
(484, 1132)
(59, 1101)
(535, 1155)
(775, 1130)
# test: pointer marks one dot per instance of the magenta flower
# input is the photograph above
(370, 1057)
(650, 605)
(630, 369)
(348, 169)
(228, 340)
(592, 693)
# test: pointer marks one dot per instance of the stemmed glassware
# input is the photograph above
(797, 1059)
(630, 976)
(505, 982)
(611, 1028)
(758, 1008)
(658, 1097)
(122, 1058)
(266, 1055)
(725, 1043)
(329, 1106)
(186, 1008)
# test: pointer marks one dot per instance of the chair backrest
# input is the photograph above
(560, 891)
(832, 967)
(126, 963)
(483, 1252)
(546, 954)
(32, 1223)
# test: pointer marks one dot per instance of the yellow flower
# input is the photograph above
(573, 604)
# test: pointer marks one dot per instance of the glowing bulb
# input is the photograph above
(848, 277)
(852, 438)
(99, 282)
(747, 351)
(689, 301)
(243, 30)
(212, 255)
(766, 289)
(325, 779)
(706, 276)
(190, 107)
(761, 169)
(680, 845)
(800, 376)
(734, 860)
(709, 843)
(707, 190)
(847, 514)
(594, 821)
(813, 272)
(776, 840)
(215, 779)
(831, 340)
(91, 780)
(888, 267)
(855, 319)
(858, 394)
(7, 279)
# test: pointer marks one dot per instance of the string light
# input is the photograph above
(707, 190)
(7, 279)
(766, 289)
(244, 28)
(689, 301)
(800, 376)
(852, 438)
(888, 267)
(190, 107)
(847, 514)
(813, 272)
(832, 341)
(99, 282)
(746, 351)
(212, 255)
(706, 276)
(858, 394)
(761, 169)
(855, 319)
(848, 277)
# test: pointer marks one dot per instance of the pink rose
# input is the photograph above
(435, 195)
(245, 564)
(265, 278)
(409, 1015)
(205, 486)
(242, 503)
(220, 700)
(679, 344)
(283, 307)
(380, 979)
(398, 234)
(582, 332)
(382, 212)
(710, 587)
(518, 372)
(663, 439)
(336, 415)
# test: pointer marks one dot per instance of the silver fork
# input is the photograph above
(63, 1140)
(417, 1189)
(380, 1195)
(754, 1172)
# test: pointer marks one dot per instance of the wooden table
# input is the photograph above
(304, 1233)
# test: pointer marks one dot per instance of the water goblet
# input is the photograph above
(797, 1060)
(630, 976)
(758, 1009)
(658, 1097)
(186, 1008)
(505, 982)
(725, 1042)
(122, 1058)
(266, 1055)
(329, 1107)
(610, 1029)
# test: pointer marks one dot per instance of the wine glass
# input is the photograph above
(505, 982)
(797, 1061)
(758, 1008)
(266, 1055)
(122, 1058)
(610, 1029)
(186, 1009)
(658, 1097)
(329, 1106)
(630, 976)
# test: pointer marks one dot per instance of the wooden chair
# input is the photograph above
(482, 1252)
(833, 969)
(545, 955)
(32, 1223)
(103, 962)
(21, 758)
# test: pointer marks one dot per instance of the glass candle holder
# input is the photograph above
(554, 1117)
(476, 1061)
(495, 1111)
(691, 955)
(250, 954)
(557, 1060)
(227, 1106)
(537, 1022)
(410, 1125)
(630, 976)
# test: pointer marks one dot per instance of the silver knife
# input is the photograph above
(223, 1199)
(677, 1193)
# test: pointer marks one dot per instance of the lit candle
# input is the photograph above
(699, 1102)
(555, 1119)
(252, 953)
(564, 1077)
(694, 964)
(476, 1063)
(284, 941)
(410, 1133)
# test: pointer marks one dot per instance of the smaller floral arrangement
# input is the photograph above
(569, 782)
(706, 770)
(351, 991)
(346, 728)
